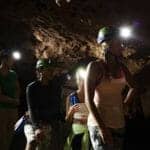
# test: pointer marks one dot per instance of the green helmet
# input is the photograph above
(43, 63)
(106, 34)
(46, 63)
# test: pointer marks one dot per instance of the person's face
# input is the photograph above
(113, 51)
(44, 73)
(113, 46)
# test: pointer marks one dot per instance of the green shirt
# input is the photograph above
(8, 85)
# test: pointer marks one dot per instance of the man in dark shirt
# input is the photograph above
(44, 105)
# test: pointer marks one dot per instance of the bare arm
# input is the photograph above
(91, 80)
(68, 115)
(70, 110)
(133, 88)
(95, 72)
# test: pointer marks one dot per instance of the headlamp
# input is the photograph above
(16, 55)
(81, 73)
(125, 32)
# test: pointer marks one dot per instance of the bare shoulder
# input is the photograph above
(96, 66)
(95, 71)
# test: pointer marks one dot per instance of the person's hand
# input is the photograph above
(107, 137)
(127, 112)
(39, 134)
(125, 109)
(73, 109)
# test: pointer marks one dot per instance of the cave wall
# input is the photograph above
(66, 32)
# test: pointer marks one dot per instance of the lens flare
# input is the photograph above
(125, 32)
(16, 55)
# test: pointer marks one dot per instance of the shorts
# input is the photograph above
(52, 137)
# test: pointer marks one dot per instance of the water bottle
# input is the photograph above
(73, 99)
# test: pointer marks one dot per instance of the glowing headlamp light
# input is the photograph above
(16, 55)
(125, 32)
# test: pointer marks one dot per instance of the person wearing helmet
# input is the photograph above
(109, 37)
(44, 106)
(103, 85)
(106, 34)
(9, 99)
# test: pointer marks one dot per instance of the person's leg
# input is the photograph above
(56, 136)
(67, 145)
(77, 142)
(31, 145)
(95, 138)
(86, 140)
(118, 137)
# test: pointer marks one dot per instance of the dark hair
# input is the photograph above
(116, 69)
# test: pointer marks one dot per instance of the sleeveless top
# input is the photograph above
(109, 102)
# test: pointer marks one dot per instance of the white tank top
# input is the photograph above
(109, 102)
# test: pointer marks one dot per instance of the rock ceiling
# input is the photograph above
(65, 31)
